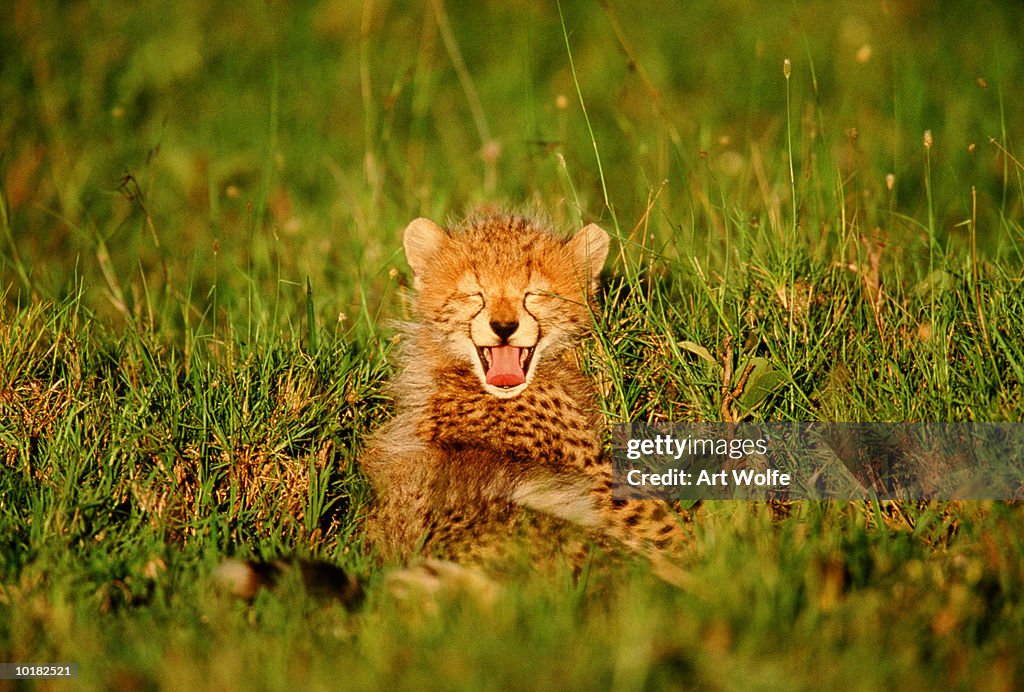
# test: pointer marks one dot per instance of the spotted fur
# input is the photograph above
(479, 473)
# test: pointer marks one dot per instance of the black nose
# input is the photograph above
(504, 329)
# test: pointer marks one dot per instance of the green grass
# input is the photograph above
(199, 256)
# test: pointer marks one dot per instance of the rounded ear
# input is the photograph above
(423, 238)
(590, 249)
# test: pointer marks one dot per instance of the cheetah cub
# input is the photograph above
(495, 453)
(494, 459)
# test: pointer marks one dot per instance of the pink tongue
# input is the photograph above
(505, 370)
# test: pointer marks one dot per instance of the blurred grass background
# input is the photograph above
(202, 206)
(165, 149)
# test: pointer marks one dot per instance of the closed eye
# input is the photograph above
(533, 300)
(459, 303)
(476, 300)
(540, 295)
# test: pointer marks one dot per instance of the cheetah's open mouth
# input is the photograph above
(505, 366)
